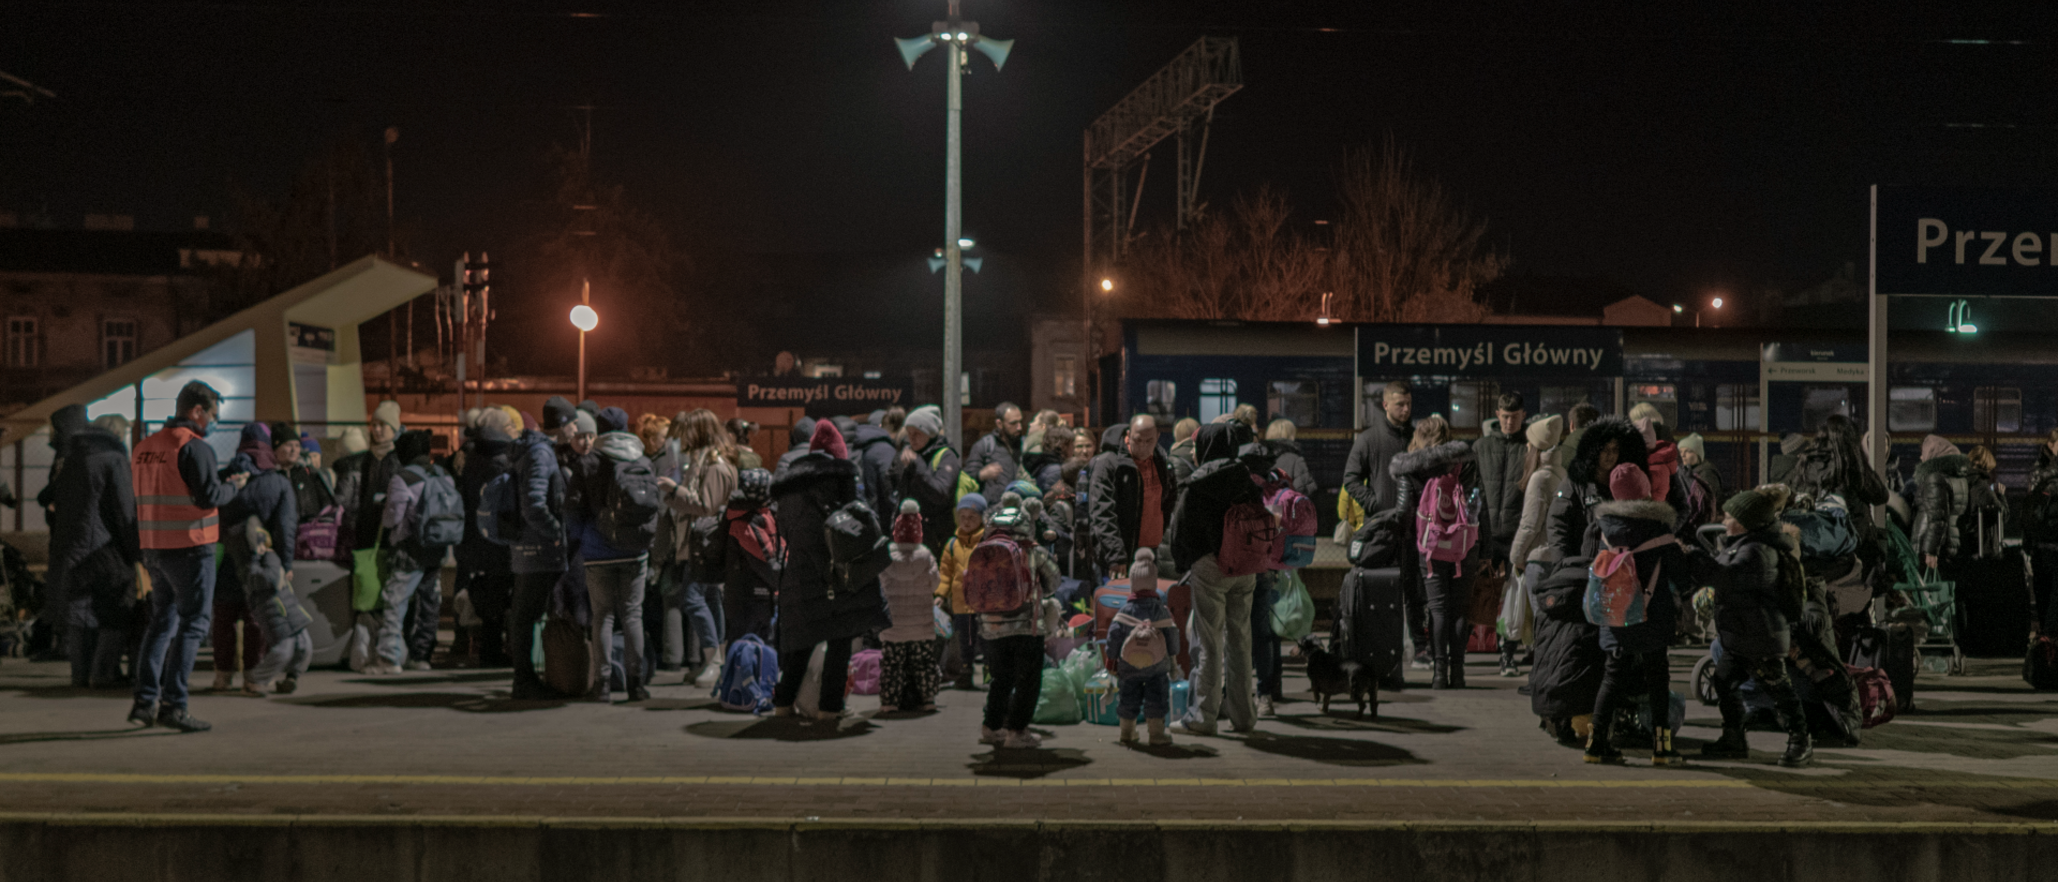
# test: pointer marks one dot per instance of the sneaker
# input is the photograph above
(1022, 739)
(177, 718)
(638, 693)
(1511, 671)
(1421, 661)
(287, 685)
(1265, 708)
(417, 666)
(143, 714)
(1186, 728)
(994, 737)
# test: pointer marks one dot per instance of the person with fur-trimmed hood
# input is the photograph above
(1608, 442)
(1448, 594)
(1635, 523)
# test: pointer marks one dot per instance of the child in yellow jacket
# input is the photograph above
(950, 593)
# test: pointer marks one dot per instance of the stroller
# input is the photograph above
(1925, 602)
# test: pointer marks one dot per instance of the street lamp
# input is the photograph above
(955, 36)
(1677, 309)
(585, 319)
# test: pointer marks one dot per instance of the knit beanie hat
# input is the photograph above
(590, 406)
(387, 412)
(611, 419)
(584, 422)
(753, 487)
(1143, 573)
(1695, 445)
(1546, 433)
(411, 446)
(827, 440)
(926, 420)
(1025, 488)
(973, 501)
(354, 440)
(309, 443)
(907, 526)
(1753, 509)
(556, 412)
(1627, 482)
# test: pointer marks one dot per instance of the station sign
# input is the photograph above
(1961, 241)
(826, 396)
(1488, 351)
(1802, 362)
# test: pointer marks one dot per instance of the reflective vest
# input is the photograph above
(165, 514)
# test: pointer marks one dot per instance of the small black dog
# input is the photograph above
(1328, 677)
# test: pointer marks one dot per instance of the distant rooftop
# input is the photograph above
(112, 252)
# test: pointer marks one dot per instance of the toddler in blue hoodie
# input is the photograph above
(1141, 642)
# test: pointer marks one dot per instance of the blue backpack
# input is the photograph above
(748, 675)
(500, 515)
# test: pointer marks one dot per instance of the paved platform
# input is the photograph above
(1982, 749)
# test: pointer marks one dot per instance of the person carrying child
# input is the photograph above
(1141, 642)
(275, 609)
(908, 676)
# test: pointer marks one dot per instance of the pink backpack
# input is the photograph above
(997, 577)
(1296, 523)
(864, 672)
(1251, 540)
(1443, 522)
(1875, 695)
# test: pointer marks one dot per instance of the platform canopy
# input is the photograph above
(292, 358)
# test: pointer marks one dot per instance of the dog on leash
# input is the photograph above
(1329, 677)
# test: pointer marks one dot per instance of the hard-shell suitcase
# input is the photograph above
(1993, 604)
(1369, 621)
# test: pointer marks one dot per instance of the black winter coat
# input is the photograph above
(1286, 457)
(1569, 660)
(1943, 489)
(935, 489)
(1745, 573)
(990, 450)
(1365, 475)
(269, 497)
(1628, 525)
(1220, 482)
(95, 497)
(874, 451)
(1114, 512)
(1498, 457)
(1570, 529)
(812, 608)
(492, 455)
(361, 482)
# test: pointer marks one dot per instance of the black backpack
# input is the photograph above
(858, 550)
(629, 506)
(708, 543)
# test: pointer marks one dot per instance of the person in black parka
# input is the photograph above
(1753, 603)
(269, 497)
(487, 566)
(93, 549)
(813, 608)
(1566, 679)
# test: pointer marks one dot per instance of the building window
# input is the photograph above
(1561, 399)
(117, 343)
(1161, 399)
(965, 389)
(1818, 403)
(1470, 401)
(1736, 408)
(24, 344)
(1217, 398)
(1911, 408)
(1996, 409)
(1064, 376)
(1663, 396)
(1296, 400)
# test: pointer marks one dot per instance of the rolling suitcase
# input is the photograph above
(1370, 626)
(1891, 650)
(1993, 604)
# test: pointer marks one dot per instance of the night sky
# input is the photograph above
(1673, 152)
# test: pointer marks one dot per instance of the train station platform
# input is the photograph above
(439, 775)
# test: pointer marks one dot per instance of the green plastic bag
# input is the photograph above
(1083, 662)
(1293, 611)
(367, 575)
(1058, 703)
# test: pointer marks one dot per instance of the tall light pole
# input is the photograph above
(585, 319)
(955, 36)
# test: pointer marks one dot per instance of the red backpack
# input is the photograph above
(1251, 540)
(997, 577)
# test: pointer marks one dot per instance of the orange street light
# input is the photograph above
(585, 319)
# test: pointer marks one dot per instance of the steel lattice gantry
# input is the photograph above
(1177, 101)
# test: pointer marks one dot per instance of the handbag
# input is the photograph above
(367, 578)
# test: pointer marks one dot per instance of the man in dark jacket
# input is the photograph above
(538, 556)
(874, 452)
(1221, 602)
(484, 565)
(178, 500)
(268, 497)
(927, 472)
(1131, 493)
(93, 552)
(1365, 475)
(1751, 622)
(1498, 455)
(996, 459)
(803, 430)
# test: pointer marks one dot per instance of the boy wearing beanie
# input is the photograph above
(908, 677)
(1634, 524)
(971, 522)
(1754, 605)
(1141, 642)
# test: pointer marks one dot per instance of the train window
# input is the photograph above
(1217, 397)
(1663, 396)
(1162, 397)
(1471, 400)
(1818, 403)
(1736, 407)
(1911, 408)
(1996, 409)
(1294, 400)
(1561, 399)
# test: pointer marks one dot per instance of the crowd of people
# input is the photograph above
(612, 547)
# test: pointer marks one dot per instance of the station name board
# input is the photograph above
(826, 396)
(1488, 351)
(1967, 241)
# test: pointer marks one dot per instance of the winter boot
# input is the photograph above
(1662, 751)
(1156, 728)
(1732, 744)
(1800, 748)
(224, 680)
(1454, 671)
(1598, 750)
(1128, 731)
(710, 668)
(1508, 668)
(1439, 674)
